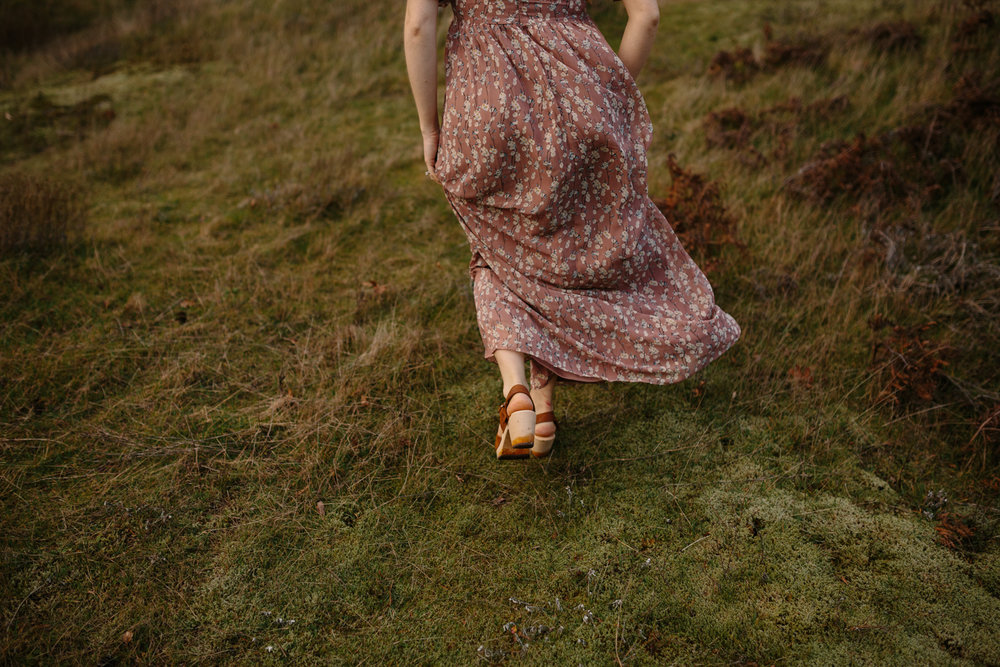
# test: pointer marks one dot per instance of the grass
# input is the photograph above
(245, 416)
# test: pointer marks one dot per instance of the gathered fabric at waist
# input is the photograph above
(519, 11)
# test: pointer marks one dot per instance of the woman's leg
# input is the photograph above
(543, 385)
(512, 371)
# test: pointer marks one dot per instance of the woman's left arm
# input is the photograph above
(640, 32)
(420, 45)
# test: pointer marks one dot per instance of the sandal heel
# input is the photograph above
(517, 429)
(521, 429)
(543, 445)
(505, 450)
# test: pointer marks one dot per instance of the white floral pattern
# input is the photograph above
(543, 160)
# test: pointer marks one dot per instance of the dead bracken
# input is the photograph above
(738, 65)
(763, 136)
(890, 36)
(809, 50)
(952, 531)
(907, 363)
(911, 165)
(969, 30)
(877, 172)
(693, 206)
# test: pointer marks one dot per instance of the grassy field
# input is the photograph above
(244, 414)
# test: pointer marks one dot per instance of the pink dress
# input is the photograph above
(543, 160)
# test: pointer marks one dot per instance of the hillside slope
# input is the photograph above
(244, 414)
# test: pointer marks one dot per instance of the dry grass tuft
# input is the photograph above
(321, 188)
(984, 444)
(109, 34)
(976, 104)
(741, 64)
(913, 164)
(38, 213)
(921, 262)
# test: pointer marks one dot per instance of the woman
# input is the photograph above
(541, 152)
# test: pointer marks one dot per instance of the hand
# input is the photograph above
(431, 140)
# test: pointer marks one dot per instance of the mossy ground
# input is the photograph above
(270, 308)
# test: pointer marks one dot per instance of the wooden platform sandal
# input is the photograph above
(517, 429)
(543, 445)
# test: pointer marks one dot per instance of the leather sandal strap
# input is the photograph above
(545, 417)
(504, 412)
(516, 389)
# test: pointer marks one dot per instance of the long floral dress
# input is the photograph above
(543, 160)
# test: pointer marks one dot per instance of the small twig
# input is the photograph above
(679, 508)
(693, 543)
(23, 600)
(919, 412)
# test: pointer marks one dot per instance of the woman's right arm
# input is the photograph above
(640, 32)
(420, 45)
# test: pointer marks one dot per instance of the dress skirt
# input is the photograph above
(542, 158)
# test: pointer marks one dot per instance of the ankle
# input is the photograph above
(543, 402)
(508, 387)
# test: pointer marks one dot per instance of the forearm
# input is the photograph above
(640, 33)
(420, 46)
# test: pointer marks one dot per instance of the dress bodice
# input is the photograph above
(514, 11)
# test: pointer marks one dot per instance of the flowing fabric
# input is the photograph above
(543, 160)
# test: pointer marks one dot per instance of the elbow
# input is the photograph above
(651, 20)
(415, 26)
(648, 16)
(412, 29)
